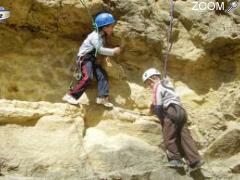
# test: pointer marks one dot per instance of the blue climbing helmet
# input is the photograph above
(104, 19)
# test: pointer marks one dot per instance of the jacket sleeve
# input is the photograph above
(97, 42)
(106, 51)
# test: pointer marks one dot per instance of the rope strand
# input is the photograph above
(169, 39)
(93, 22)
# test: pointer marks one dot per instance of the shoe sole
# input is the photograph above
(104, 105)
(70, 102)
(175, 166)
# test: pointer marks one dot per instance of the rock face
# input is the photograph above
(226, 145)
(51, 140)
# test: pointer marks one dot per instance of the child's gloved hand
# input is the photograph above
(117, 50)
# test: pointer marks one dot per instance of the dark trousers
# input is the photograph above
(89, 69)
(177, 138)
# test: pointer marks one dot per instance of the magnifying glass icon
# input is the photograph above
(232, 5)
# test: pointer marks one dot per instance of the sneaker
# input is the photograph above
(176, 163)
(70, 99)
(104, 101)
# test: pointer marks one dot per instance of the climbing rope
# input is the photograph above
(87, 156)
(93, 22)
(88, 11)
(77, 77)
(169, 39)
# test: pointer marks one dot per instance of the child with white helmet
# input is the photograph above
(93, 45)
(167, 106)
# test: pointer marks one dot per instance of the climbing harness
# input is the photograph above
(78, 70)
(169, 39)
(77, 75)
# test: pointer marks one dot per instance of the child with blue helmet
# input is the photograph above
(94, 44)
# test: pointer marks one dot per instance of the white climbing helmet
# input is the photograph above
(149, 73)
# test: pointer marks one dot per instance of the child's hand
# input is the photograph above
(117, 50)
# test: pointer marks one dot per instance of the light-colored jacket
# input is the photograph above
(164, 94)
(95, 41)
